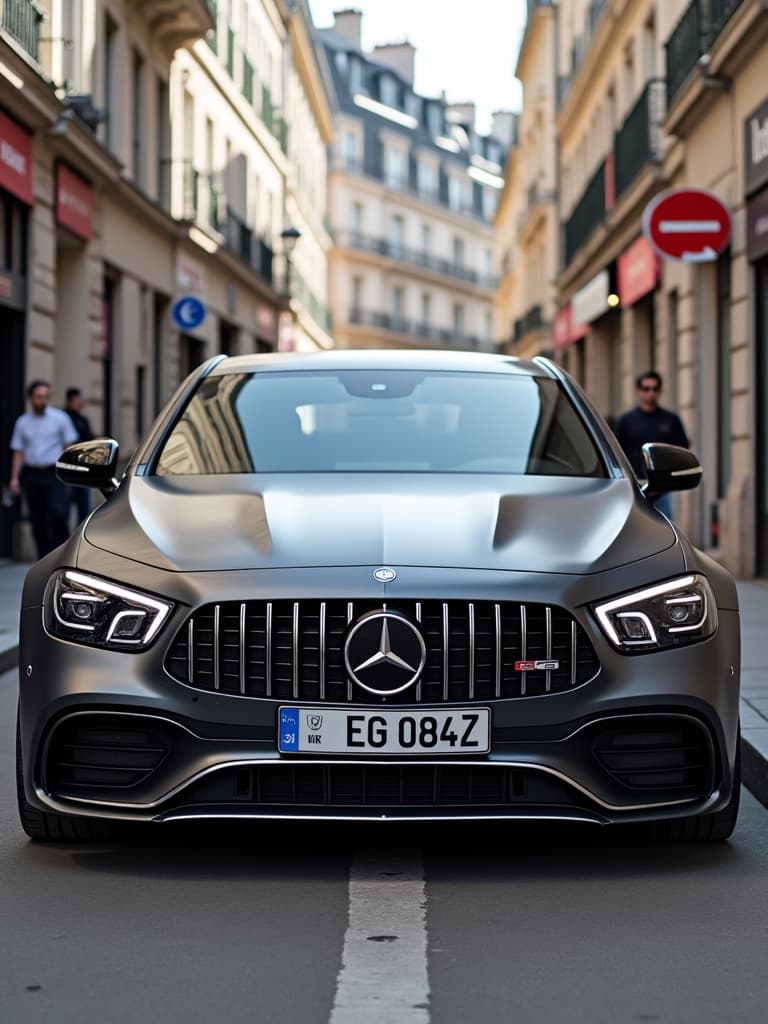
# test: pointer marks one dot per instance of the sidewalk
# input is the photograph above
(753, 598)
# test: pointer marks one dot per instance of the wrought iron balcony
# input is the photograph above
(693, 35)
(21, 19)
(533, 320)
(242, 240)
(413, 257)
(638, 141)
(588, 213)
(419, 332)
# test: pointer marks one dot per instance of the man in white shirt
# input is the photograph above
(39, 438)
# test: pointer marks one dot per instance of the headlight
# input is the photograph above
(89, 610)
(670, 614)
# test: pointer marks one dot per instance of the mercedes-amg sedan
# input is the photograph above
(378, 586)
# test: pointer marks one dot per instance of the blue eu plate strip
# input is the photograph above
(289, 730)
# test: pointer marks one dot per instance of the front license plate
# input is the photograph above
(346, 731)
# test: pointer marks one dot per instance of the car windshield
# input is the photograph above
(379, 421)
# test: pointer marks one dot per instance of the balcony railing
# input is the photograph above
(247, 79)
(588, 213)
(638, 141)
(242, 240)
(413, 257)
(693, 35)
(533, 320)
(419, 332)
(21, 19)
(375, 169)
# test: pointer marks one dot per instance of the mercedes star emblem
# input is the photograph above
(385, 574)
(384, 653)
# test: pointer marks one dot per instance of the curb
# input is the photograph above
(754, 769)
(8, 658)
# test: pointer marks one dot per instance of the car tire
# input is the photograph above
(710, 828)
(44, 827)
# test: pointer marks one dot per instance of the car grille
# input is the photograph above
(293, 650)
(651, 755)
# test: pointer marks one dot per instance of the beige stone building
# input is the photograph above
(654, 96)
(412, 193)
(527, 224)
(151, 153)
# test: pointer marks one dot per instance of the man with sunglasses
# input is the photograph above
(648, 421)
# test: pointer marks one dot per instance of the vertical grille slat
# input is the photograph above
(293, 650)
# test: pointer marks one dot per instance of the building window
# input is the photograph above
(397, 236)
(388, 90)
(350, 149)
(163, 143)
(458, 252)
(489, 203)
(458, 322)
(435, 119)
(398, 306)
(426, 238)
(137, 108)
(355, 75)
(426, 309)
(426, 179)
(357, 219)
(455, 192)
(342, 63)
(357, 297)
(111, 89)
(394, 168)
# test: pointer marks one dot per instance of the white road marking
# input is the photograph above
(383, 977)
(686, 227)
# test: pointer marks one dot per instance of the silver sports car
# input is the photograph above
(378, 586)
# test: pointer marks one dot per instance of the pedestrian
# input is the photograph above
(39, 438)
(81, 497)
(647, 422)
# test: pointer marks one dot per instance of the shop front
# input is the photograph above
(16, 197)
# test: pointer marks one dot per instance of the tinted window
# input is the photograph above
(379, 421)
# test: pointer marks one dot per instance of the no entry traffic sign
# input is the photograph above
(687, 224)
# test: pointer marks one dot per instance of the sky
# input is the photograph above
(472, 58)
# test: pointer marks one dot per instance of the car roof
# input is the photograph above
(382, 359)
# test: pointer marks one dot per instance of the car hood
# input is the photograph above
(529, 524)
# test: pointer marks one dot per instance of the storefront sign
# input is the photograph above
(15, 160)
(592, 300)
(74, 202)
(757, 227)
(565, 331)
(756, 149)
(639, 271)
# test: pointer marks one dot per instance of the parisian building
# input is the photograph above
(413, 190)
(651, 96)
(151, 153)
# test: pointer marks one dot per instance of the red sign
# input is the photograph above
(15, 160)
(565, 331)
(687, 224)
(74, 202)
(639, 271)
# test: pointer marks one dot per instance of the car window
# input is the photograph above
(379, 421)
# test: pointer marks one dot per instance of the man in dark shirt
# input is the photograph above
(81, 498)
(648, 421)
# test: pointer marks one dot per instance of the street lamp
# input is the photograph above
(290, 237)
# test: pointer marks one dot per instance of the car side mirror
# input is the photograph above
(90, 464)
(669, 468)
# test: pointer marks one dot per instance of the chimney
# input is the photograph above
(461, 113)
(504, 126)
(348, 25)
(400, 56)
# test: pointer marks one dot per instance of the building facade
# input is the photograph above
(412, 194)
(147, 157)
(652, 96)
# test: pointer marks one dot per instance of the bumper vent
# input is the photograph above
(356, 787)
(91, 752)
(668, 756)
(293, 650)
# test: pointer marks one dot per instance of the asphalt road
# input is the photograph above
(380, 926)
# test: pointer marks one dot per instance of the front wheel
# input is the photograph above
(710, 828)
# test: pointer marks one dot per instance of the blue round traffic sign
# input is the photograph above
(188, 312)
